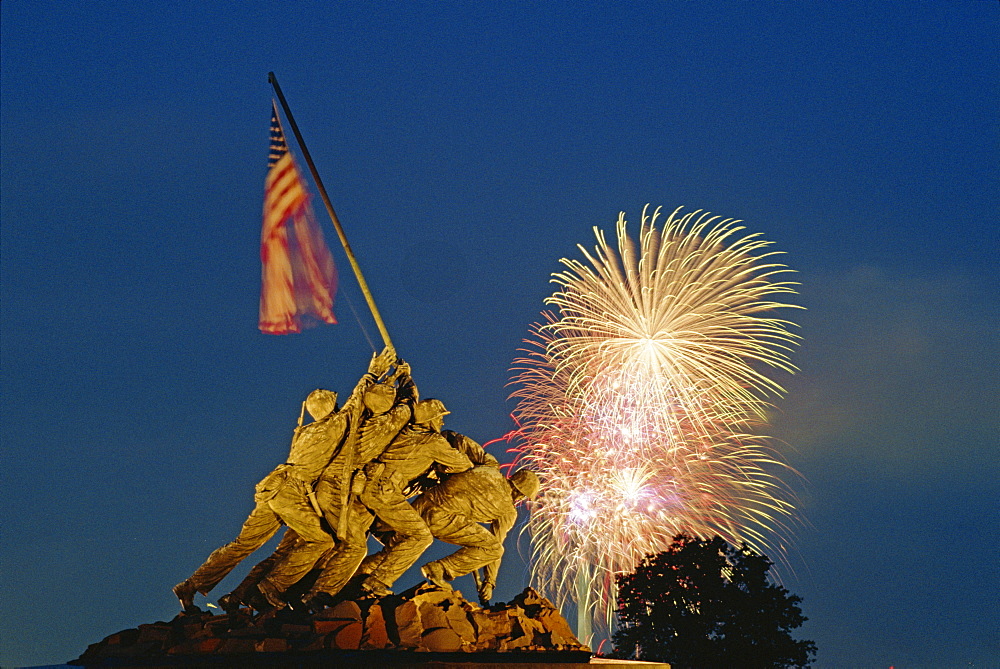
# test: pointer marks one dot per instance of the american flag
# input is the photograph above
(298, 277)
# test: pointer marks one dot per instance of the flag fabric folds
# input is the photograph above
(298, 277)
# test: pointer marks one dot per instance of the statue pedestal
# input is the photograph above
(424, 625)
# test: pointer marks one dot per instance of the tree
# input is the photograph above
(703, 603)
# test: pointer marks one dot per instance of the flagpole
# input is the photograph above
(329, 209)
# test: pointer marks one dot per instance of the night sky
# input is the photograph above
(467, 147)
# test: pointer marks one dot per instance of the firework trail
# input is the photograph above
(639, 403)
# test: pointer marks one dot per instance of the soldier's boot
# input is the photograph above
(318, 602)
(230, 603)
(372, 587)
(257, 601)
(434, 572)
(185, 591)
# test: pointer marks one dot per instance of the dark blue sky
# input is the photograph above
(467, 147)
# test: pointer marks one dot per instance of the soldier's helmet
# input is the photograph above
(429, 409)
(526, 482)
(321, 403)
(379, 398)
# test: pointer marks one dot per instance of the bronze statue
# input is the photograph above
(353, 465)
(285, 497)
(454, 510)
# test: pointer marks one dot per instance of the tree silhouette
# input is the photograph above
(703, 603)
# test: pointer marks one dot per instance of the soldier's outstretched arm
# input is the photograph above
(449, 459)
(376, 368)
(471, 448)
(377, 432)
(397, 418)
(406, 389)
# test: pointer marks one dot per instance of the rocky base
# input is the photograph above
(434, 623)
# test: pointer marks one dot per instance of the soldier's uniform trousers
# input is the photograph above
(480, 547)
(412, 536)
(289, 543)
(280, 500)
(339, 565)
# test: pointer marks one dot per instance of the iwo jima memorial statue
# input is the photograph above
(377, 464)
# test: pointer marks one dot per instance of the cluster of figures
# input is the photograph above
(355, 471)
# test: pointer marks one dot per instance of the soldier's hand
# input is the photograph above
(381, 363)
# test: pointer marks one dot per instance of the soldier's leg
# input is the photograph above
(328, 497)
(479, 546)
(297, 593)
(261, 525)
(388, 540)
(329, 576)
(412, 537)
(293, 507)
(347, 554)
(241, 593)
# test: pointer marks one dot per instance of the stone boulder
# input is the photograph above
(425, 622)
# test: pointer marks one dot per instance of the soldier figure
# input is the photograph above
(454, 510)
(355, 464)
(338, 488)
(419, 447)
(285, 497)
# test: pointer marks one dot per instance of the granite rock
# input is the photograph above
(424, 619)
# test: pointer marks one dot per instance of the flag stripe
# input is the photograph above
(298, 276)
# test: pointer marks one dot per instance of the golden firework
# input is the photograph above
(640, 403)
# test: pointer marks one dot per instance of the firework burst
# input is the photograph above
(640, 402)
